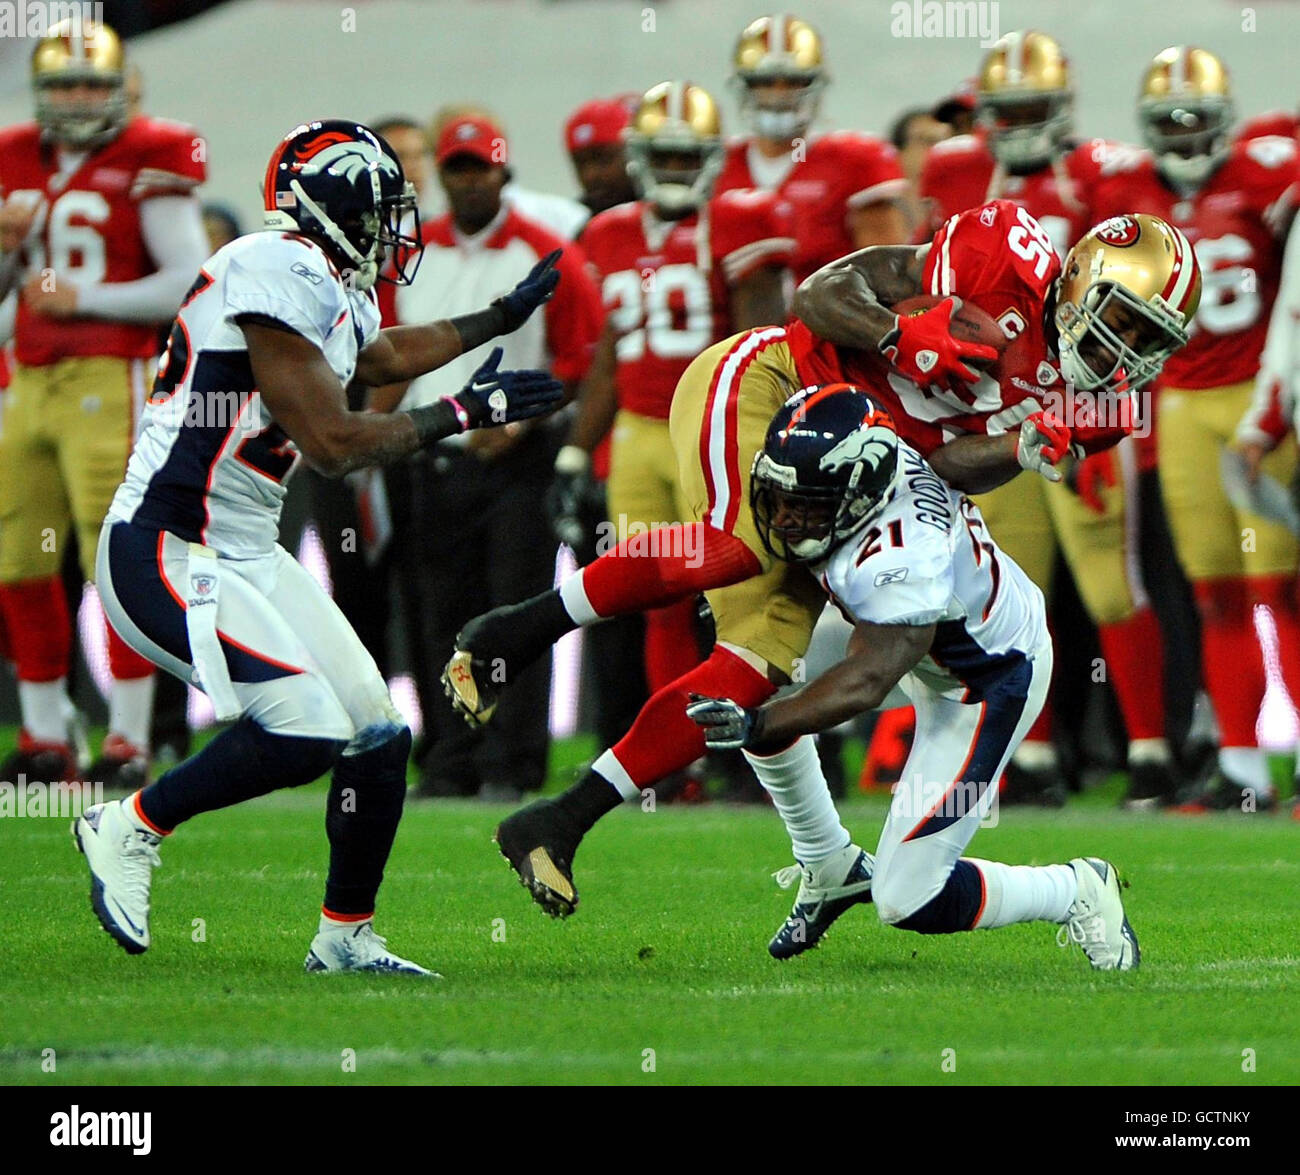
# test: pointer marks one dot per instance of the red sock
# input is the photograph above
(40, 632)
(6, 653)
(1041, 731)
(1279, 592)
(124, 663)
(664, 566)
(1135, 661)
(1231, 656)
(662, 739)
(670, 646)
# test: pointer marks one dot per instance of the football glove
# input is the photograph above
(728, 726)
(567, 496)
(530, 293)
(922, 348)
(1089, 476)
(495, 397)
(1043, 441)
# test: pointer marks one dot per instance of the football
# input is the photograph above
(969, 323)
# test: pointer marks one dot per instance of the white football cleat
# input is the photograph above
(826, 890)
(358, 949)
(122, 857)
(1096, 921)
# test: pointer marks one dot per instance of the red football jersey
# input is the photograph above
(666, 284)
(1275, 122)
(997, 258)
(838, 172)
(1232, 223)
(90, 227)
(960, 173)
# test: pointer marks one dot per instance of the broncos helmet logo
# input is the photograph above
(872, 441)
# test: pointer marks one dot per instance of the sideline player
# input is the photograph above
(274, 330)
(940, 612)
(1120, 308)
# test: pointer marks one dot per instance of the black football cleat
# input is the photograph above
(1221, 794)
(1151, 785)
(539, 842)
(1042, 787)
(826, 890)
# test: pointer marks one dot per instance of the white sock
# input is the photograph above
(1025, 893)
(328, 924)
(1245, 766)
(794, 780)
(1148, 750)
(615, 774)
(41, 703)
(573, 595)
(1035, 756)
(130, 708)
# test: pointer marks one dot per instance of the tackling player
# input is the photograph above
(941, 614)
(1233, 200)
(276, 329)
(1025, 153)
(1120, 308)
(680, 268)
(840, 188)
(101, 232)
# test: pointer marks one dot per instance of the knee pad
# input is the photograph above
(953, 908)
(380, 763)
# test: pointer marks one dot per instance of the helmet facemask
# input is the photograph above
(1115, 341)
(784, 114)
(1189, 138)
(1026, 130)
(85, 125)
(655, 165)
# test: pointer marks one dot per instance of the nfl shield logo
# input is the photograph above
(203, 584)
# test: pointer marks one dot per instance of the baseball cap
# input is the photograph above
(597, 123)
(472, 135)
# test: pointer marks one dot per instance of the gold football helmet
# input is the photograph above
(1025, 99)
(1186, 110)
(80, 52)
(779, 73)
(674, 147)
(1125, 302)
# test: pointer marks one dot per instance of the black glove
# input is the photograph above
(566, 506)
(495, 397)
(728, 725)
(530, 293)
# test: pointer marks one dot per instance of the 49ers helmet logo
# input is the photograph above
(1118, 230)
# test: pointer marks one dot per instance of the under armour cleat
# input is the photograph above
(1096, 921)
(826, 890)
(122, 857)
(539, 842)
(467, 682)
(358, 948)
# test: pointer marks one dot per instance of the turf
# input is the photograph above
(666, 953)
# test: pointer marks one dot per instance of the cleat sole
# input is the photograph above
(460, 687)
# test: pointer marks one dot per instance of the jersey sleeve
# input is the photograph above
(1272, 410)
(909, 585)
(174, 162)
(870, 169)
(998, 248)
(288, 282)
(749, 231)
(1271, 172)
(574, 317)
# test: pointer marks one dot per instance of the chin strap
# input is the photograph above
(367, 269)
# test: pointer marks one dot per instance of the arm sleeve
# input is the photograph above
(290, 285)
(574, 317)
(1272, 410)
(873, 172)
(173, 234)
(749, 233)
(175, 162)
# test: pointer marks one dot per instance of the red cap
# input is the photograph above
(597, 123)
(472, 135)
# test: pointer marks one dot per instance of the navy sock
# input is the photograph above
(242, 762)
(367, 792)
(953, 908)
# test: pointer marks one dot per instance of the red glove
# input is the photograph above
(1043, 441)
(922, 348)
(1090, 475)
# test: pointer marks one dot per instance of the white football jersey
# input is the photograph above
(210, 463)
(928, 558)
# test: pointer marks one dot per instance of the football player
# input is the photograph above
(1024, 152)
(841, 188)
(941, 614)
(100, 232)
(275, 329)
(679, 269)
(1233, 200)
(1120, 308)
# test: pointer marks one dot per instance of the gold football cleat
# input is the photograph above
(475, 702)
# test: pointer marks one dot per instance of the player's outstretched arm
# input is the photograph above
(978, 464)
(402, 353)
(878, 657)
(848, 301)
(307, 400)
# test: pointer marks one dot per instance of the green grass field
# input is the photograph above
(666, 953)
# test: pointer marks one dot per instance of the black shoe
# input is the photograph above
(46, 763)
(539, 842)
(1151, 784)
(1042, 787)
(1221, 794)
(815, 908)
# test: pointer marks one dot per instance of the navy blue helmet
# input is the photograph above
(828, 465)
(340, 184)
